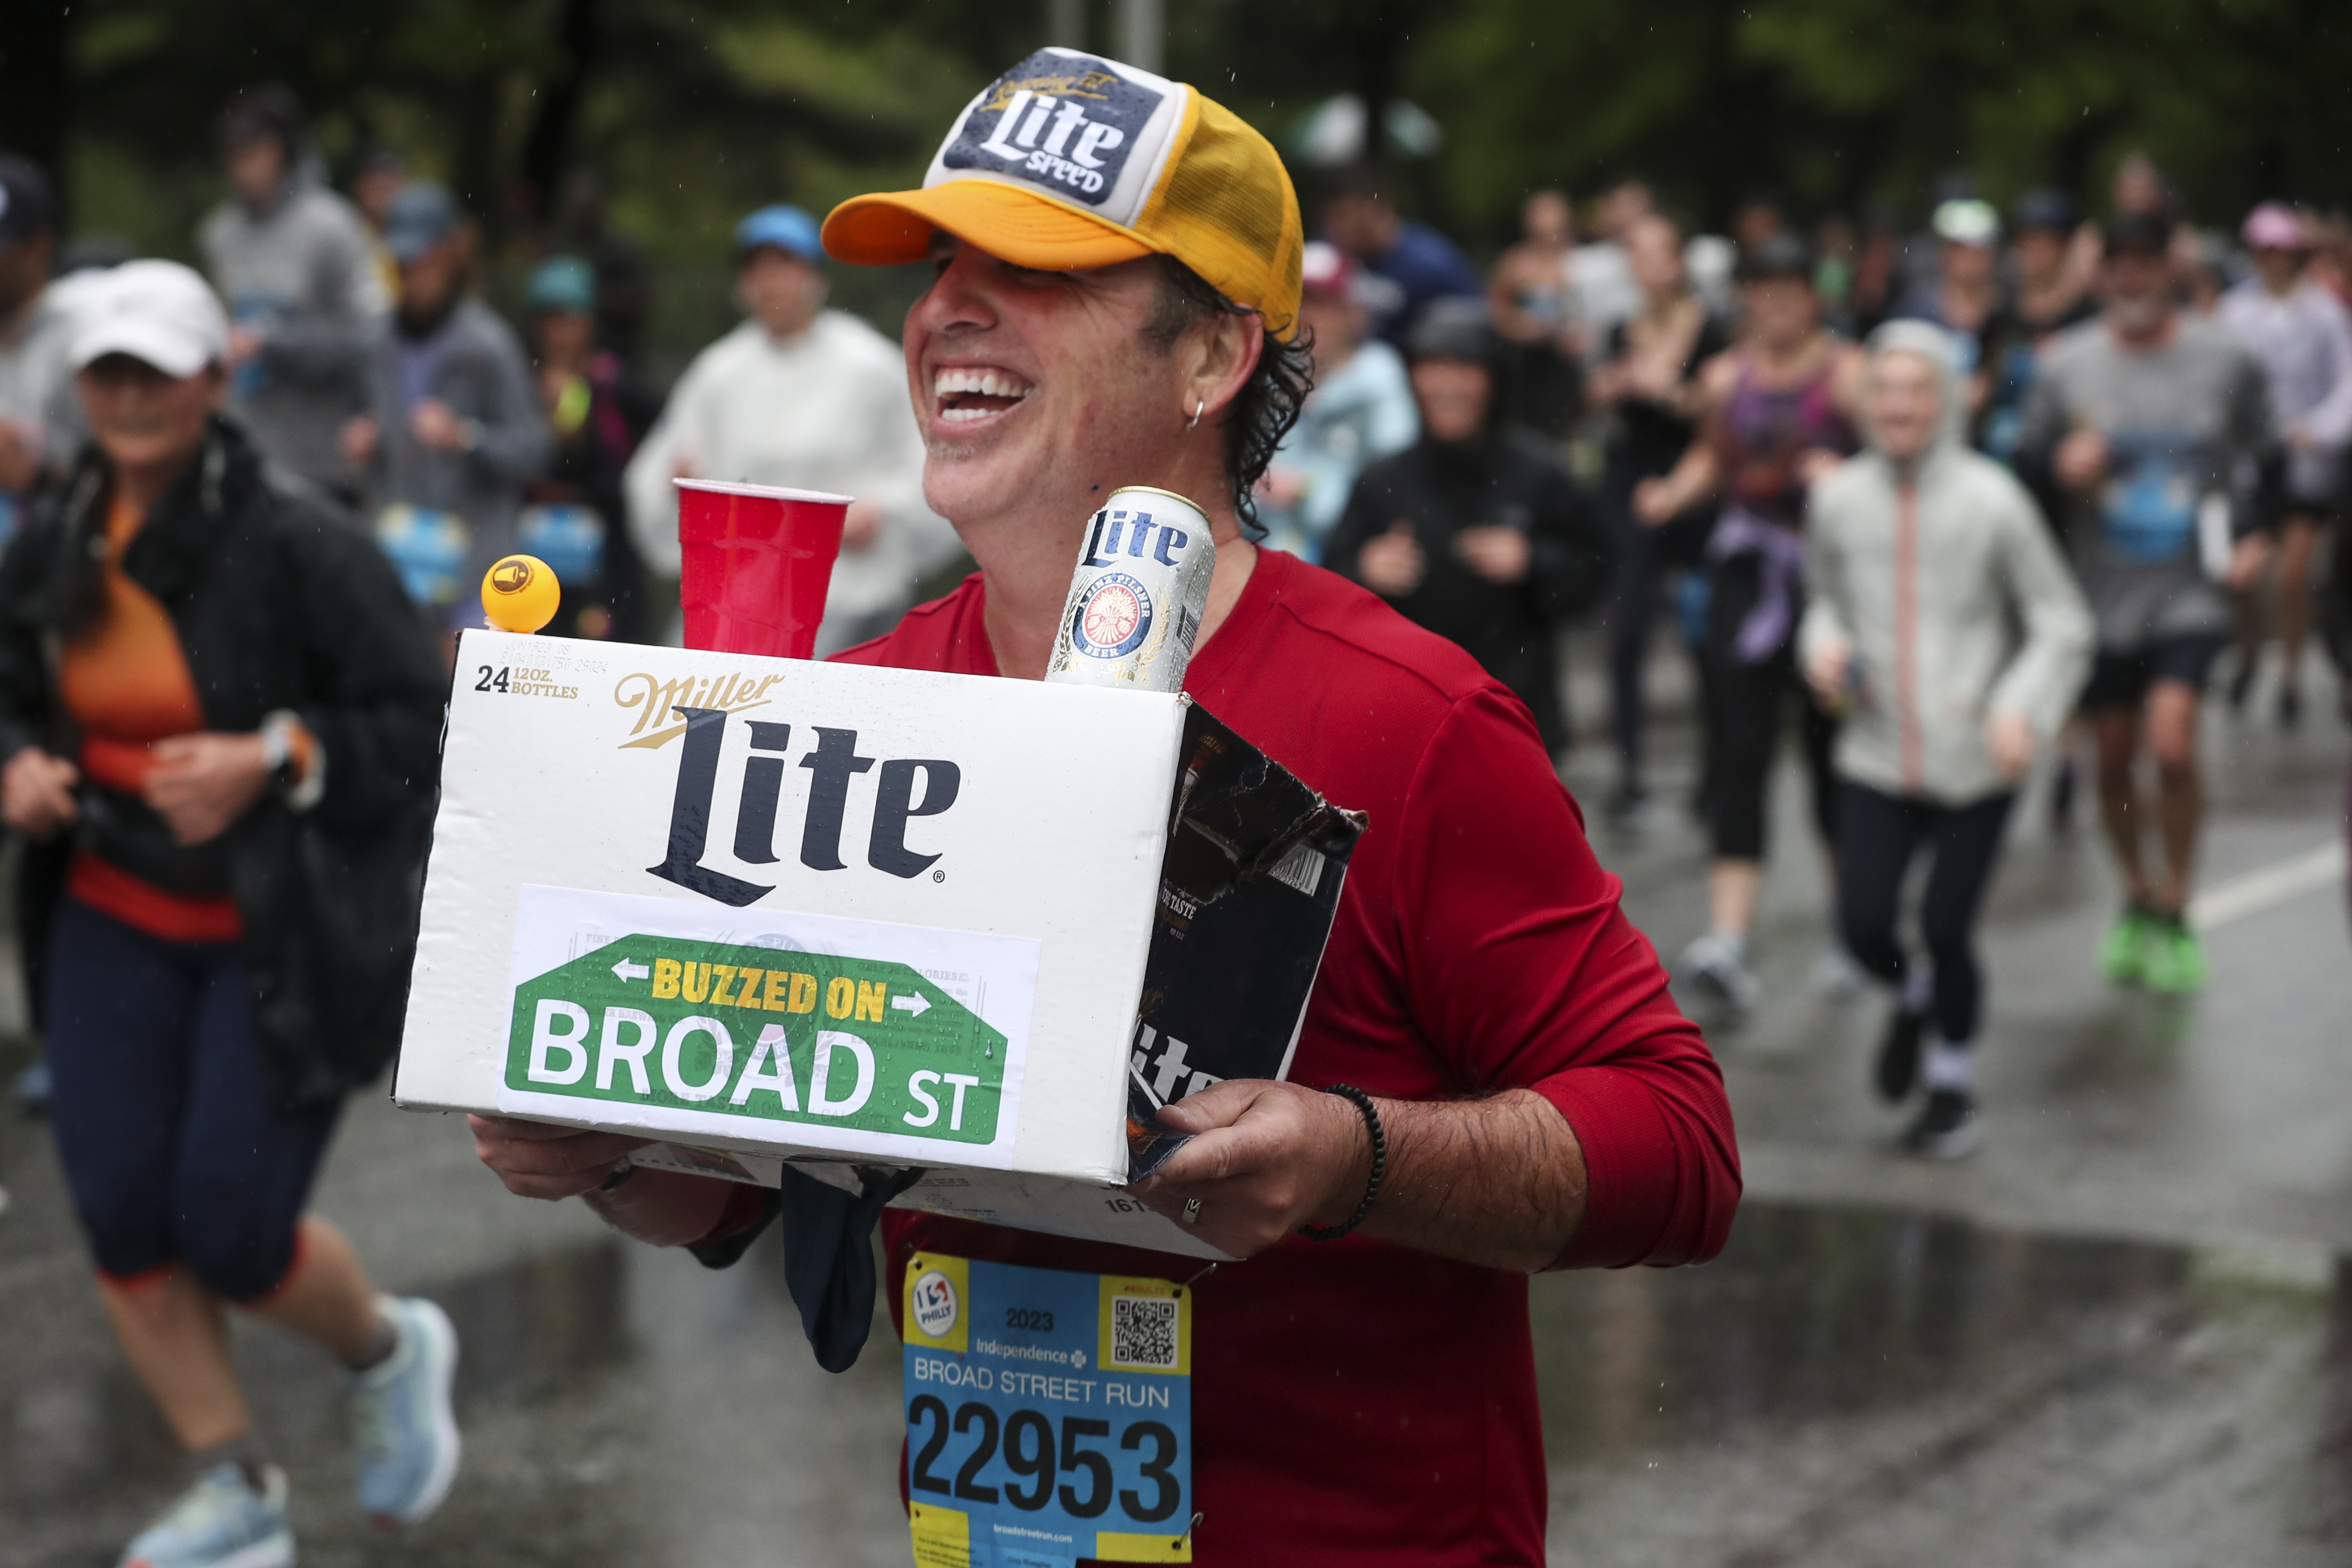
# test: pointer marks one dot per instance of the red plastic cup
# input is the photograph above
(758, 560)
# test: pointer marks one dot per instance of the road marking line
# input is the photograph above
(2271, 885)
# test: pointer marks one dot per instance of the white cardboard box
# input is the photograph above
(770, 909)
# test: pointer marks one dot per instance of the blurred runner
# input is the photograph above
(1777, 413)
(1360, 411)
(1368, 1403)
(1475, 533)
(2303, 336)
(1965, 295)
(39, 421)
(577, 521)
(214, 689)
(806, 397)
(1944, 626)
(2044, 299)
(1601, 286)
(296, 265)
(1530, 296)
(40, 428)
(624, 281)
(2145, 419)
(1409, 264)
(1649, 382)
(378, 178)
(453, 430)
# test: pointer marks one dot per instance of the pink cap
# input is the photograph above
(2274, 226)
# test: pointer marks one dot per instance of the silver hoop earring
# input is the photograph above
(1194, 423)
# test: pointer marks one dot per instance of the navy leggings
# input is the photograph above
(1878, 834)
(171, 1146)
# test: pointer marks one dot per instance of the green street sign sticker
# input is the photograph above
(768, 1026)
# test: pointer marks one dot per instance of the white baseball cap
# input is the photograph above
(158, 312)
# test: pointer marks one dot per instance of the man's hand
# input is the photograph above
(537, 1161)
(244, 342)
(1393, 564)
(1825, 669)
(20, 456)
(1498, 554)
(860, 526)
(1265, 1158)
(661, 1208)
(438, 426)
(1816, 463)
(2080, 463)
(358, 439)
(2010, 739)
(36, 793)
(1655, 502)
(2247, 559)
(200, 783)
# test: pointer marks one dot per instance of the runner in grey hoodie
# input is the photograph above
(294, 263)
(1940, 617)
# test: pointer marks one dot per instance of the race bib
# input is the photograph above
(2151, 497)
(1049, 1416)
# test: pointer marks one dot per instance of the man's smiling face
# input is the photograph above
(1037, 392)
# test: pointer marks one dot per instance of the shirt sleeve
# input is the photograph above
(1522, 968)
(2329, 421)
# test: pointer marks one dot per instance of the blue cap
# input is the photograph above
(787, 228)
(420, 218)
(561, 285)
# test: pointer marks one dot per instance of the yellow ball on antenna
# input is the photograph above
(519, 594)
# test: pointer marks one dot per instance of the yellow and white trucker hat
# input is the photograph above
(1071, 160)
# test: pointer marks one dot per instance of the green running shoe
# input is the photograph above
(2123, 955)
(2173, 961)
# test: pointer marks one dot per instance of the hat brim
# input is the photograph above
(893, 227)
(177, 354)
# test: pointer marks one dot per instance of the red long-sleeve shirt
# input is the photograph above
(1356, 1403)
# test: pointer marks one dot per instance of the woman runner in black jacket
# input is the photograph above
(217, 706)
(1474, 531)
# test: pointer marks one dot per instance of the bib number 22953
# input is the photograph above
(1049, 1416)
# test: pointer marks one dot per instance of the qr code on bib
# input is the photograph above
(1143, 1332)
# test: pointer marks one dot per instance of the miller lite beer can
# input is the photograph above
(1137, 599)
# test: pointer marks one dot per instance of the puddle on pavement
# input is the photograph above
(1815, 1320)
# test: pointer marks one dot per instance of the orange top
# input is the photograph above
(126, 682)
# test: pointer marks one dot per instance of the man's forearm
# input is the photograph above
(1498, 1182)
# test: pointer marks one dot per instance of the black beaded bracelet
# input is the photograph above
(1363, 1102)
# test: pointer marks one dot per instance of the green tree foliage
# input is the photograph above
(695, 110)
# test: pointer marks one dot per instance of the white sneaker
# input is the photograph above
(1715, 964)
(402, 1422)
(219, 1523)
(1836, 976)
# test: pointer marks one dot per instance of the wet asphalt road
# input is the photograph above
(2121, 1336)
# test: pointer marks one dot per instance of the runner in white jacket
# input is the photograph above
(807, 397)
(1942, 619)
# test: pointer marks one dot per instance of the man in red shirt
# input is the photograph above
(1117, 306)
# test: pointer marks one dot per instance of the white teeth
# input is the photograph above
(985, 382)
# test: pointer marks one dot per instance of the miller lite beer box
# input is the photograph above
(771, 910)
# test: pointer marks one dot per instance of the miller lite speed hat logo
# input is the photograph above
(1076, 126)
(1113, 618)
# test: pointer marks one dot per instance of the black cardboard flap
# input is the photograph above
(1247, 892)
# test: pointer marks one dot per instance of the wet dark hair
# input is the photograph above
(1267, 405)
(264, 111)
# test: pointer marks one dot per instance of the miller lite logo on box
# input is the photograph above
(769, 909)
